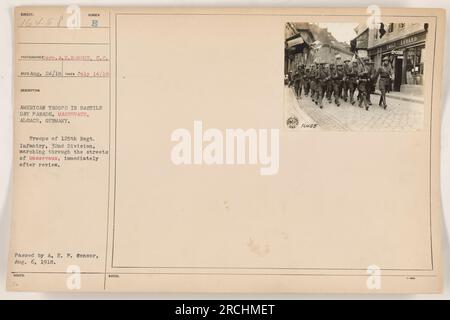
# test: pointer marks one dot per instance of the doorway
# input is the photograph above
(398, 67)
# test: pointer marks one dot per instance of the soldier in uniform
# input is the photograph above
(313, 82)
(301, 75)
(321, 83)
(317, 83)
(338, 61)
(363, 62)
(296, 79)
(306, 80)
(345, 82)
(290, 78)
(385, 74)
(363, 78)
(330, 69)
(337, 77)
(371, 83)
(352, 78)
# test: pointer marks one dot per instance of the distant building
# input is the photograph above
(307, 42)
(404, 44)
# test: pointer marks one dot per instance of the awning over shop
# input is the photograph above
(301, 38)
(295, 42)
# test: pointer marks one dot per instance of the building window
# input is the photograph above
(390, 27)
(414, 65)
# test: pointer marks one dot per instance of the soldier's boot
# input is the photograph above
(352, 99)
(366, 102)
(337, 95)
(368, 99)
(360, 99)
(382, 102)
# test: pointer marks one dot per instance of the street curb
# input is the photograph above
(409, 99)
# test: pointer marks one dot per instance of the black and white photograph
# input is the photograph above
(352, 77)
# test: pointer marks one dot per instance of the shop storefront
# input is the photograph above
(296, 50)
(407, 60)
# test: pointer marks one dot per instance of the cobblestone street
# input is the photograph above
(400, 115)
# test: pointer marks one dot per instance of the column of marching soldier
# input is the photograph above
(340, 81)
